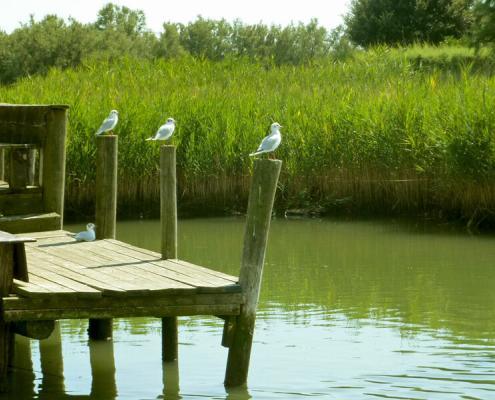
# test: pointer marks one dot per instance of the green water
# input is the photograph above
(348, 310)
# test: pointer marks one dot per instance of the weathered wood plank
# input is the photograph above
(134, 270)
(119, 312)
(64, 269)
(21, 203)
(157, 255)
(124, 285)
(6, 237)
(131, 284)
(184, 299)
(80, 288)
(30, 222)
(49, 285)
(49, 234)
(163, 268)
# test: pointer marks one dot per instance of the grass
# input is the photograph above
(375, 133)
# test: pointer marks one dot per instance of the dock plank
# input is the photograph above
(118, 275)
(197, 269)
(162, 267)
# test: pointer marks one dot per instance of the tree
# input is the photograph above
(393, 22)
(168, 45)
(113, 17)
(484, 22)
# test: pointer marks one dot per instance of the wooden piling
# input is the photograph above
(6, 279)
(106, 186)
(53, 173)
(261, 197)
(168, 220)
(106, 212)
(2, 164)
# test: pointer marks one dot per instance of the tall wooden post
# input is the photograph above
(261, 197)
(53, 174)
(106, 212)
(2, 164)
(6, 279)
(168, 218)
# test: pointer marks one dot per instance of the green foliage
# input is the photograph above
(113, 17)
(375, 112)
(372, 22)
(119, 31)
(484, 25)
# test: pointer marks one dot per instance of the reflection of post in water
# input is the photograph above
(103, 384)
(52, 365)
(22, 383)
(171, 388)
(237, 393)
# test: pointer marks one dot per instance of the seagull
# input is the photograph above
(165, 131)
(271, 142)
(109, 122)
(88, 235)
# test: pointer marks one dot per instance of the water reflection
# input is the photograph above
(102, 369)
(52, 365)
(347, 310)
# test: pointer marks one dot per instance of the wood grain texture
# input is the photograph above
(261, 197)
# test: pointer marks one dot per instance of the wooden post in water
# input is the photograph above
(168, 219)
(6, 279)
(106, 212)
(261, 197)
(2, 164)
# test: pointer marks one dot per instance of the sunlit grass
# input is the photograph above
(374, 119)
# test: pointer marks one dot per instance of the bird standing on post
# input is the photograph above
(165, 131)
(88, 235)
(270, 142)
(109, 123)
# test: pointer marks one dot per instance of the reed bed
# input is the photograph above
(372, 134)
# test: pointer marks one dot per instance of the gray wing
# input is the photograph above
(269, 143)
(108, 124)
(164, 132)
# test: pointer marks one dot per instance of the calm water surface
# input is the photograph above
(348, 310)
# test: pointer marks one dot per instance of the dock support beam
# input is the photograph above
(261, 197)
(106, 212)
(168, 219)
(6, 334)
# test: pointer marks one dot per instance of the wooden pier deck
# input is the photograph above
(109, 278)
(54, 277)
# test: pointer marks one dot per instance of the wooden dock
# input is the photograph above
(47, 275)
(109, 278)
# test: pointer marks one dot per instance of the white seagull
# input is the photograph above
(165, 131)
(88, 235)
(109, 123)
(271, 142)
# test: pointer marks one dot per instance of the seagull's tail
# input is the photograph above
(151, 138)
(256, 153)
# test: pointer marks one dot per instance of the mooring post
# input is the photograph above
(261, 197)
(6, 279)
(168, 219)
(106, 212)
